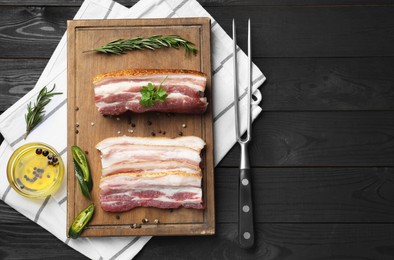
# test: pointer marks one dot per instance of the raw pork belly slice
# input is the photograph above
(192, 142)
(150, 172)
(119, 91)
(122, 192)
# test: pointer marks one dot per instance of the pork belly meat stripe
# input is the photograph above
(119, 91)
(150, 172)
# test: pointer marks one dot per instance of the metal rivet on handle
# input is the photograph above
(245, 182)
(247, 235)
(245, 208)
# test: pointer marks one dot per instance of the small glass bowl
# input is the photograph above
(35, 174)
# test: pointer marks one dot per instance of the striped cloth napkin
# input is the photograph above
(50, 213)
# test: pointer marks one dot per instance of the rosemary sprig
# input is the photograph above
(36, 113)
(120, 46)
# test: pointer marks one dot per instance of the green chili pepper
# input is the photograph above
(81, 181)
(81, 221)
(82, 166)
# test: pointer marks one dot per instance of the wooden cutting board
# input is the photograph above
(86, 126)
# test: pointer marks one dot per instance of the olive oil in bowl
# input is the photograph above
(35, 170)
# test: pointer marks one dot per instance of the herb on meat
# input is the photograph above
(151, 94)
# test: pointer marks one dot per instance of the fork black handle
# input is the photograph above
(245, 210)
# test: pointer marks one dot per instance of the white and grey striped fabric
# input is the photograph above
(50, 213)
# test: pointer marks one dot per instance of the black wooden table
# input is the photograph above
(323, 148)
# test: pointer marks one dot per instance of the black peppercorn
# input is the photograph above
(38, 151)
(45, 152)
(50, 156)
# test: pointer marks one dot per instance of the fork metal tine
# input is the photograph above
(236, 95)
(248, 90)
(249, 95)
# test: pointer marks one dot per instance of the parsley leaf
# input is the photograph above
(151, 94)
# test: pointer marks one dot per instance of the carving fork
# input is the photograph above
(245, 209)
